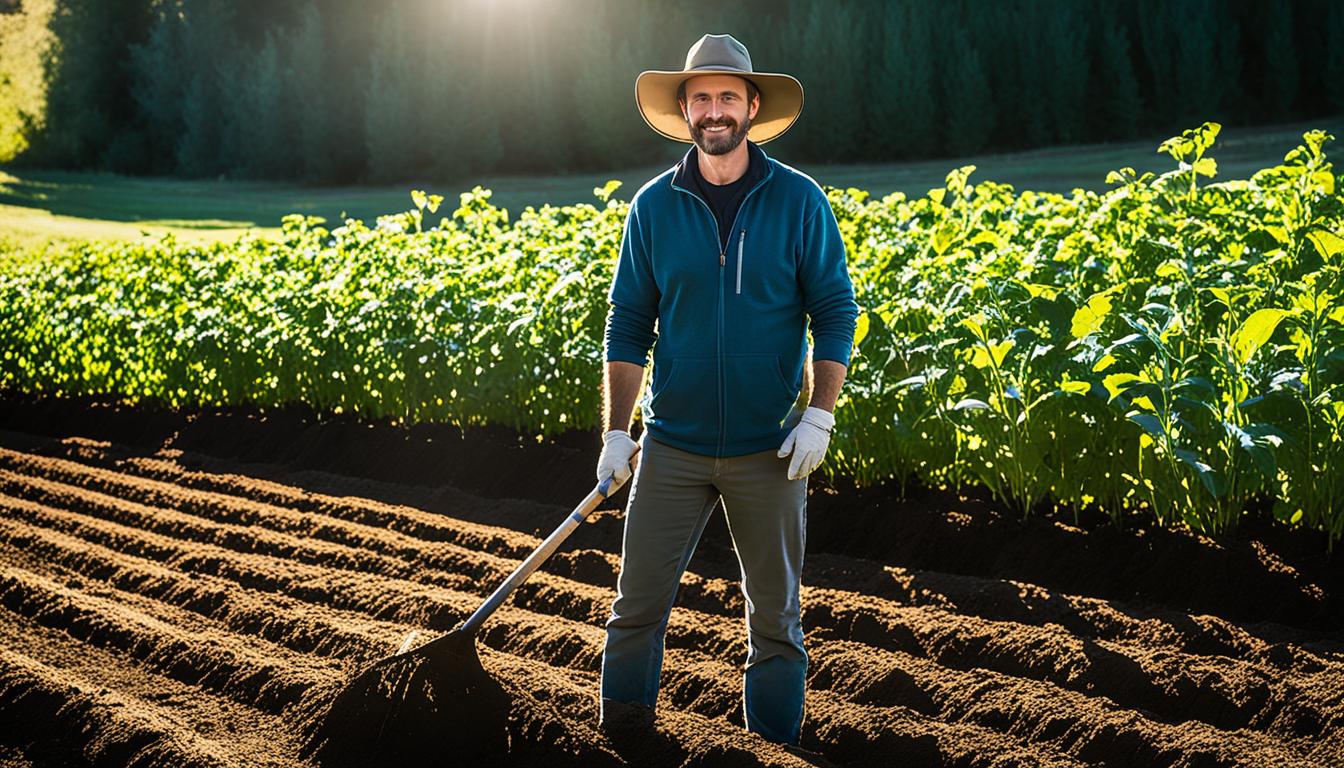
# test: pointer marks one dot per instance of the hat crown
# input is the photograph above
(718, 52)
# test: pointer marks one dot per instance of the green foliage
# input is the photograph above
(1333, 66)
(1281, 66)
(1116, 88)
(179, 86)
(159, 86)
(82, 90)
(968, 102)
(901, 97)
(389, 113)
(307, 94)
(1167, 348)
(256, 134)
(1065, 76)
(831, 83)
(206, 41)
(23, 41)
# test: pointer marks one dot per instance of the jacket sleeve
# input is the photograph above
(828, 294)
(633, 296)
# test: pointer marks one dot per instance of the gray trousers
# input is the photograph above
(672, 494)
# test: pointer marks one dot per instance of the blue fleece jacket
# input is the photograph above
(731, 325)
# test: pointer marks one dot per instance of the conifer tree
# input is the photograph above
(85, 87)
(1034, 73)
(909, 80)
(599, 115)
(1334, 62)
(209, 45)
(256, 141)
(159, 85)
(1067, 63)
(1158, 27)
(1200, 65)
(1281, 67)
(308, 93)
(389, 129)
(1115, 98)
(969, 108)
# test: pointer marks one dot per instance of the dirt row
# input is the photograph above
(170, 607)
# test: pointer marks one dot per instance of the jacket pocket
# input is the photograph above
(758, 399)
(684, 403)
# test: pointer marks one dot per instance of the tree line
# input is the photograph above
(339, 91)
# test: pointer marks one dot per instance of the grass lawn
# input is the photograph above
(53, 205)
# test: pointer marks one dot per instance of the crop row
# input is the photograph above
(1170, 347)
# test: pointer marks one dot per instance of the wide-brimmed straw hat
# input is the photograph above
(656, 90)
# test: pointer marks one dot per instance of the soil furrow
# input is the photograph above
(255, 589)
(116, 730)
(63, 696)
(956, 701)
(187, 649)
(280, 507)
(693, 681)
(277, 680)
(1175, 687)
(1229, 693)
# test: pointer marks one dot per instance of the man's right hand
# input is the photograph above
(618, 457)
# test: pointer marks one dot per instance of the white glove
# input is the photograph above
(808, 442)
(617, 450)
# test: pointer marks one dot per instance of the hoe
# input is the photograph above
(434, 702)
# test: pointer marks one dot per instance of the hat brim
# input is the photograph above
(656, 96)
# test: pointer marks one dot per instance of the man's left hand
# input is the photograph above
(808, 442)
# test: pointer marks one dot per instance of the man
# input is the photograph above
(730, 252)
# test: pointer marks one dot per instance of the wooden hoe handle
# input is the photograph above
(540, 554)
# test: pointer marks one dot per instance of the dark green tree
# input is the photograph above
(830, 123)
(906, 82)
(600, 125)
(308, 94)
(256, 138)
(1280, 58)
(1158, 30)
(159, 86)
(1204, 61)
(389, 120)
(1066, 44)
(1032, 75)
(209, 46)
(969, 114)
(1334, 62)
(86, 85)
(1114, 98)
(23, 38)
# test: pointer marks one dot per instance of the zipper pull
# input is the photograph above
(722, 261)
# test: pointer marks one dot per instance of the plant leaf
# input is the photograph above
(1254, 332)
(1328, 243)
(1089, 317)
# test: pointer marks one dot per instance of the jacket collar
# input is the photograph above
(681, 178)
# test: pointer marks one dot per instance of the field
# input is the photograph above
(175, 586)
(1082, 506)
(37, 205)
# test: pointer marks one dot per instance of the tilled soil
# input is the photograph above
(174, 588)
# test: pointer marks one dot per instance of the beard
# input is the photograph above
(720, 143)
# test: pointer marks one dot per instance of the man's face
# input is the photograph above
(717, 112)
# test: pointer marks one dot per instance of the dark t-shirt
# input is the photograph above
(725, 199)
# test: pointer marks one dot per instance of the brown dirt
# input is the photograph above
(179, 588)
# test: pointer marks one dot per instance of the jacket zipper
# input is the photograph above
(723, 258)
(741, 241)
